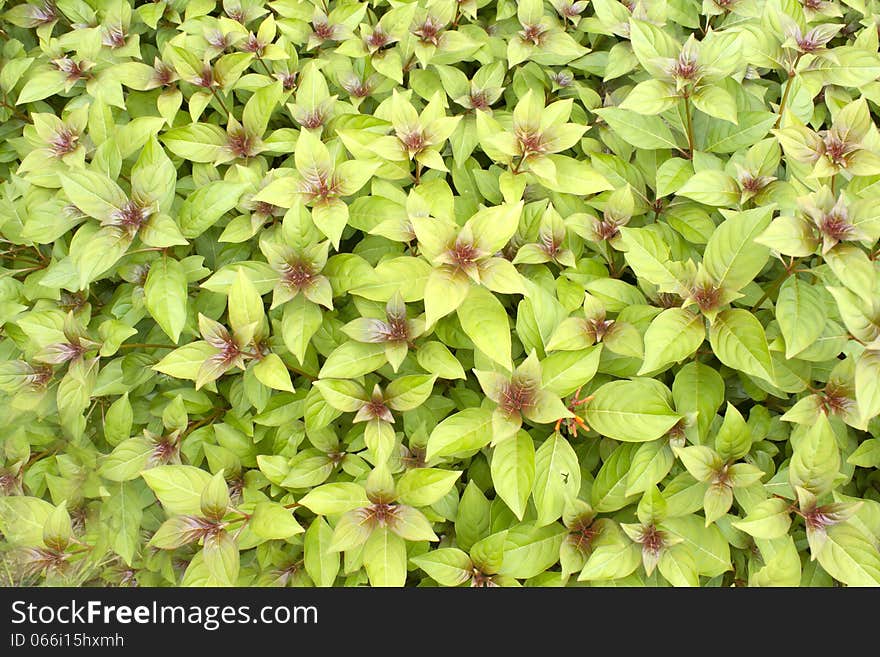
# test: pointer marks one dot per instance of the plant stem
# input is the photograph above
(40, 254)
(15, 113)
(147, 249)
(515, 169)
(690, 126)
(609, 257)
(10, 581)
(220, 100)
(783, 102)
(218, 412)
(14, 272)
(785, 94)
(770, 288)
(265, 67)
(36, 457)
(299, 372)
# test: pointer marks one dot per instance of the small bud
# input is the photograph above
(215, 498)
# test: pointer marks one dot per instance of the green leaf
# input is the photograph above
(22, 519)
(412, 525)
(221, 558)
(408, 392)
(425, 486)
(438, 360)
(738, 340)
(353, 359)
(300, 322)
(698, 389)
(271, 520)
(272, 373)
(650, 464)
(707, 545)
(716, 102)
(165, 296)
(641, 131)
(245, 304)
(178, 487)
(732, 258)
(648, 256)
(127, 460)
(769, 519)
(609, 562)
(321, 563)
(184, 362)
(674, 334)
(631, 411)
(204, 207)
(782, 565)
(351, 532)
(462, 433)
(197, 142)
(710, 187)
(564, 372)
(850, 557)
(867, 454)
(331, 219)
(258, 109)
(484, 320)
(513, 471)
(854, 269)
(340, 497)
(557, 478)
(801, 315)
(530, 550)
(93, 193)
(446, 566)
(493, 227)
(118, 421)
(701, 462)
(790, 236)
(308, 468)
(214, 501)
(816, 459)
(385, 558)
(100, 253)
(174, 533)
(42, 85)
(734, 438)
(672, 174)
(488, 553)
(650, 97)
(716, 502)
(405, 274)
(153, 176)
(751, 127)
(678, 567)
(473, 521)
(609, 492)
(341, 394)
(867, 379)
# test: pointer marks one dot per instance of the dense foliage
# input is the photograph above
(440, 292)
